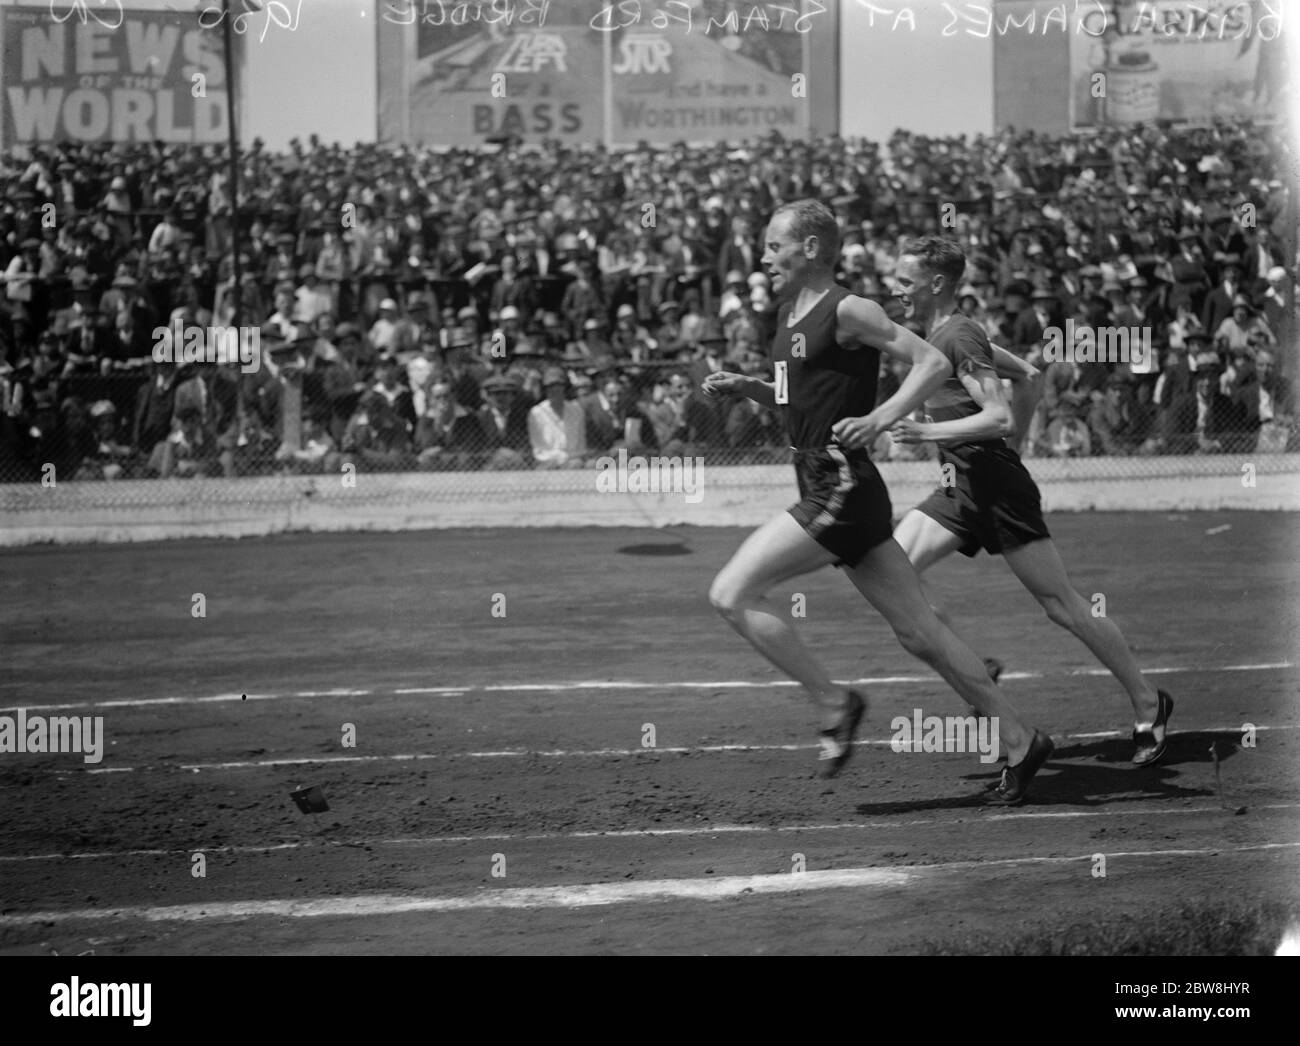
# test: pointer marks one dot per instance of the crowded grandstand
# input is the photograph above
(527, 306)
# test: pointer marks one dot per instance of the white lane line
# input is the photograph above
(612, 685)
(589, 753)
(581, 895)
(637, 833)
(577, 896)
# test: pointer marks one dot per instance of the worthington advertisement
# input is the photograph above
(621, 73)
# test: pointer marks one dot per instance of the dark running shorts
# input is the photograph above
(844, 505)
(993, 503)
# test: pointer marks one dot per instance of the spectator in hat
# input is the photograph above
(593, 343)
(154, 408)
(1191, 281)
(462, 370)
(550, 332)
(1112, 425)
(667, 335)
(1235, 332)
(1059, 427)
(383, 331)
(735, 294)
(692, 318)
(376, 438)
(1266, 408)
(468, 317)
(1260, 256)
(1220, 302)
(1174, 385)
(601, 412)
(1278, 305)
(1046, 306)
(524, 368)
(340, 377)
(279, 264)
(739, 251)
(311, 299)
(49, 364)
(117, 206)
(20, 278)
(703, 419)
(88, 334)
(130, 341)
(422, 313)
(503, 425)
(166, 234)
(318, 449)
(583, 298)
(447, 436)
(513, 289)
(109, 457)
(1026, 329)
(396, 392)
(189, 450)
(584, 389)
(557, 426)
(1208, 417)
(331, 267)
(630, 340)
(408, 331)
(1131, 309)
(968, 302)
(282, 319)
(419, 376)
(632, 430)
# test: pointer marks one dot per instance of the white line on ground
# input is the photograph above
(667, 686)
(581, 895)
(636, 833)
(590, 753)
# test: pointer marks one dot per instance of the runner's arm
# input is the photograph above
(724, 383)
(863, 320)
(1009, 365)
(1026, 390)
(993, 420)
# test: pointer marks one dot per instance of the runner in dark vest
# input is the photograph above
(988, 500)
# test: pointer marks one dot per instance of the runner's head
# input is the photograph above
(927, 277)
(802, 241)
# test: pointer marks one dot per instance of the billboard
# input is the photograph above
(1178, 60)
(458, 74)
(98, 73)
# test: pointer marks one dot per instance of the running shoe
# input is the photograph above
(1014, 786)
(1149, 750)
(837, 742)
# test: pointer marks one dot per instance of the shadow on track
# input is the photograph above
(1108, 778)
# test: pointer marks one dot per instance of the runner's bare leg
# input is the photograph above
(777, 551)
(887, 580)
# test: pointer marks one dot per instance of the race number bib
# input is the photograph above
(782, 381)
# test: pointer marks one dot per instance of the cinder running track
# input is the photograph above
(517, 745)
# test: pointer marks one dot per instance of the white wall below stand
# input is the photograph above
(150, 510)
